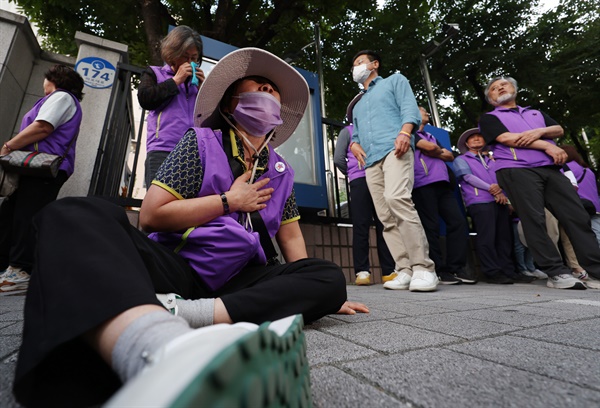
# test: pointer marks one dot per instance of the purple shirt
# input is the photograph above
(587, 183)
(428, 169)
(221, 248)
(58, 141)
(469, 163)
(168, 124)
(516, 121)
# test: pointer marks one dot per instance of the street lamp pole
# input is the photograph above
(450, 30)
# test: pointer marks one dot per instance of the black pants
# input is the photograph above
(532, 189)
(433, 201)
(494, 244)
(363, 213)
(92, 265)
(16, 212)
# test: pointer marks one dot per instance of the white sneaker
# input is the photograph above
(527, 273)
(564, 281)
(539, 274)
(17, 279)
(363, 278)
(423, 281)
(225, 365)
(400, 282)
(169, 301)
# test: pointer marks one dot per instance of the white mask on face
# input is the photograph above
(360, 73)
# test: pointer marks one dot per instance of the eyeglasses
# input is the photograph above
(360, 62)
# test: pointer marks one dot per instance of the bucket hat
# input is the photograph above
(245, 62)
(462, 140)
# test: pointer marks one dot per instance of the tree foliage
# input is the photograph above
(554, 55)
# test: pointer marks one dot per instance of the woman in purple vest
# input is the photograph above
(169, 93)
(94, 289)
(51, 126)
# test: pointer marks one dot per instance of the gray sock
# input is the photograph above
(198, 313)
(143, 337)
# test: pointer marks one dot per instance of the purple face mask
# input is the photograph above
(257, 112)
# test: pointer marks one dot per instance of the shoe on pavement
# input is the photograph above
(363, 279)
(446, 278)
(466, 277)
(17, 279)
(500, 279)
(10, 274)
(400, 282)
(539, 274)
(169, 301)
(564, 281)
(581, 275)
(423, 281)
(226, 365)
(519, 278)
(387, 278)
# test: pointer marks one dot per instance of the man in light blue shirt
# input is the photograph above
(384, 121)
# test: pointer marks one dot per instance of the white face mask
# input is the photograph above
(360, 73)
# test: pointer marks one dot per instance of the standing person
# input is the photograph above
(488, 207)
(384, 120)
(434, 198)
(92, 306)
(528, 170)
(362, 209)
(168, 93)
(51, 126)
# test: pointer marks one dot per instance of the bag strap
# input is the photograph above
(582, 173)
(257, 222)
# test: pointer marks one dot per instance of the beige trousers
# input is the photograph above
(390, 182)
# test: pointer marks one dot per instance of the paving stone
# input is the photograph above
(508, 315)
(324, 348)
(445, 378)
(584, 334)
(549, 359)
(332, 388)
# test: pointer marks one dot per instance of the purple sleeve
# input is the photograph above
(476, 182)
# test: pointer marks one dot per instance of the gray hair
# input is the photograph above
(498, 78)
(177, 42)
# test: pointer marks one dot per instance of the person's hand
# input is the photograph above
(501, 199)
(528, 137)
(401, 144)
(200, 76)
(495, 189)
(558, 154)
(359, 153)
(350, 308)
(4, 151)
(183, 72)
(248, 197)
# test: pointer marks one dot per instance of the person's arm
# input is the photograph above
(433, 150)
(291, 242)
(36, 131)
(152, 95)
(410, 116)
(341, 151)
(355, 148)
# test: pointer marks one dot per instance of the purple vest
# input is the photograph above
(168, 124)
(473, 195)
(517, 122)
(587, 186)
(58, 141)
(428, 169)
(353, 171)
(221, 248)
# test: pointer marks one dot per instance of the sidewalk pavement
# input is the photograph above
(522, 345)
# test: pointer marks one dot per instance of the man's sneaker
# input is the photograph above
(169, 301)
(520, 278)
(363, 279)
(446, 278)
(564, 281)
(581, 275)
(400, 282)
(18, 279)
(391, 276)
(8, 276)
(226, 366)
(539, 274)
(466, 277)
(423, 281)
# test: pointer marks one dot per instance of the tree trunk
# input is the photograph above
(156, 19)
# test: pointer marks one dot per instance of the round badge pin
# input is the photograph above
(279, 167)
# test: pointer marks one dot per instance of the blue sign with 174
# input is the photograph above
(96, 72)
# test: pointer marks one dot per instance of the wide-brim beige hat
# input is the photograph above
(462, 140)
(253, 62)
